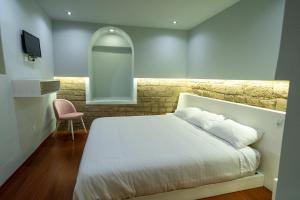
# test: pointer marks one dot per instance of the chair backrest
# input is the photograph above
(63, 106)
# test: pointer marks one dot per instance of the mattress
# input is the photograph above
(126, 157)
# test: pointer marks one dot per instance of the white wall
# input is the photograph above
(242, 42)
(24, 122)
(159, 53)
(289, 69)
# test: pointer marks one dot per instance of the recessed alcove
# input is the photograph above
(111, 68)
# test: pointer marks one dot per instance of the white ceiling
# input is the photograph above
(145, 13)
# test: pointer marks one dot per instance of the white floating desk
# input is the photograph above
(34, 88)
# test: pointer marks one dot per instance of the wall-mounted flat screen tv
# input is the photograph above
(31, 45)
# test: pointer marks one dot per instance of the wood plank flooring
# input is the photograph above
(50, 173)
(253, 194)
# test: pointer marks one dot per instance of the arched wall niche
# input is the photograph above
(111, 68)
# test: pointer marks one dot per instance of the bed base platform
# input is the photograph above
(210, 190)
(270, 121)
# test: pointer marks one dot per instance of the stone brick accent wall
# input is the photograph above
(160, 96)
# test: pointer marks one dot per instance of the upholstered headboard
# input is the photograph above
(270, 121)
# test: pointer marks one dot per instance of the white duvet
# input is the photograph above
(126, 157)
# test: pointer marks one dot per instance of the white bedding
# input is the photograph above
(125, 157)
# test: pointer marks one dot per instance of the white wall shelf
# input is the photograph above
(34, 88)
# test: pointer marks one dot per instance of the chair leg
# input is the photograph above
(57, 125)
(83, 125)
(72, 130)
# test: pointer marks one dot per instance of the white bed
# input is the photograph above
(128, 157)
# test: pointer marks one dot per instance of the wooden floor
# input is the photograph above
(50, 174)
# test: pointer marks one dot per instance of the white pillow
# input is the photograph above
(205, 119)
(186, 112)
(237, 134)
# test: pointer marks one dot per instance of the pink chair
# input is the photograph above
(65, 110)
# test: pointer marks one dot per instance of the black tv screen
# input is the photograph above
(31, 44)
